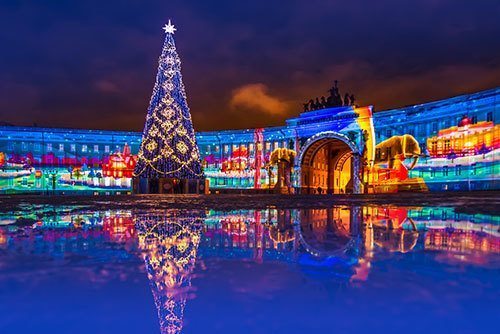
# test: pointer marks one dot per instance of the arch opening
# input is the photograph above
(327, 166)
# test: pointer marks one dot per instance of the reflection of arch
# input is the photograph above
(339, 150)
(169, 242)
(344, 237)
(348, 248)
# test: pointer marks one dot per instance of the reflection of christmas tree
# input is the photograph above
(169, 148)
(169, 242)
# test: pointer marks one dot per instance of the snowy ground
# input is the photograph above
(470, 202)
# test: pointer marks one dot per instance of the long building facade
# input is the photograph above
(447, 145)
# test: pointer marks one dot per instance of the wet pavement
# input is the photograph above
(130, 267)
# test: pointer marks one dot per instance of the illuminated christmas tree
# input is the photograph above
(168, 150)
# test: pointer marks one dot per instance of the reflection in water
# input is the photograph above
(390, 229)
(169, 243)
(329, 232)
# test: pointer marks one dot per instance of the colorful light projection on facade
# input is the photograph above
(336, 152)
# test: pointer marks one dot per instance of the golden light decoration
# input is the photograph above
(169, 125)
(169, 243)
(181, 146)
(151, 146)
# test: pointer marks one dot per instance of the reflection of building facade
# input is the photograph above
(342, 240)
(335, 146)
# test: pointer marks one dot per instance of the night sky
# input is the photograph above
(92, 64)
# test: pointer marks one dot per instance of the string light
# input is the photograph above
(169, 243)
(169, 148)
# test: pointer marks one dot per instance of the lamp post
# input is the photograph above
(51, 178)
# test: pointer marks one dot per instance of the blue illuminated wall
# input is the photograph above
(46, 160)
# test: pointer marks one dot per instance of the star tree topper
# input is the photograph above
(169, 28)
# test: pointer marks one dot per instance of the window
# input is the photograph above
(226, 148)
(10, 145)
(388, 133)
(209, 149)
(434, 126)
(96, 148)
(474, 119)
(73, 148)
(49, 147)
(489, 117)
(37, 147)
(84, 148)
(268, 146)
(217, 148)
(106, 149)
(423, 130)
(24, 146)
(447, 145)
(445, 171)
(61, 147)
(458, 170)
(251, 146)
(276, 145)
(434, 146)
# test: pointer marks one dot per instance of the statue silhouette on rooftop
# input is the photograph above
(312, 106)
(318, 104)
(333, 100)
(323, 102)
(346, 99)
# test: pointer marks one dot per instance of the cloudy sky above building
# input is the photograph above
(92, 64)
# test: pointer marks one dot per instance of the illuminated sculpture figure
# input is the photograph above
(168, 156)
(284, 158)
(169, 243)
(394, 177)
(398, 147)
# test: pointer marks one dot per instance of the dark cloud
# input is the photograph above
(93, 63)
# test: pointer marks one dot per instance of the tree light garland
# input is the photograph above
(169, 148)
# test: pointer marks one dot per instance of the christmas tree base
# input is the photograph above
(170, 186)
